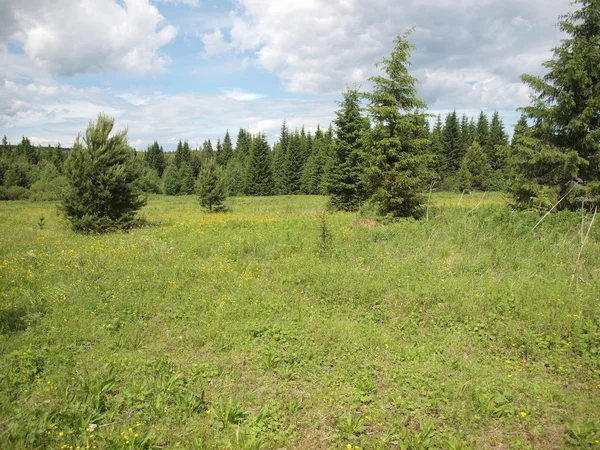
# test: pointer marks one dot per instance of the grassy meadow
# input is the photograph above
(276, 326)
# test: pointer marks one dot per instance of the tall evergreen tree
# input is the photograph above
(227, 149)
(280, 180)
(439, 162)
(452, 143)
(155, 158)
(259, 179)
(294, 162)
(210, 186)
(182, 154)
(474, 172)
(498, 143)
(483, 133)
(344, 181)
(171, 180)
(564, 140)
(397, 144)
(103, 191)
(313, 173)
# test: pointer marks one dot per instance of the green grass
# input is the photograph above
(274, 326)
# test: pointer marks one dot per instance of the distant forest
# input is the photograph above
(466, 153)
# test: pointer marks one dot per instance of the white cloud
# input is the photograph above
(241, 95)
(60, 112)
(69, 37)
(214, 43)
(192, 3)
(319, 46)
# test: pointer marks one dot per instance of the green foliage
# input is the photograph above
(259, 177)
(565, 136)
(187, 179)
(172, 180)
(102, 192)
(452, 143)
(294, 164)
(155, 158)
(344, 177)
(396, 147)
(210, 186)
(474, 172)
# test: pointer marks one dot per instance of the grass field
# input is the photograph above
(276, 326)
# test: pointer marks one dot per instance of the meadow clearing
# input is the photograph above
(277, 326)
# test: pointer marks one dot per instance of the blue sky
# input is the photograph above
(191, 69)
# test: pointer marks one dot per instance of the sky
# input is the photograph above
(170, 70)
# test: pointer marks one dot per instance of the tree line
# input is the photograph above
(380, 148)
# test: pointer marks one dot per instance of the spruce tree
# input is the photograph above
(155, 158)
(451, 138)
(439, 162)
(474, 171)
(259, 178)
(280, 180)
(182, 154)
(294, 162)
(210, 186)
(344, 181)
(483, 133)
(188, 179)
(227, 150)
(397, 144)
(498, 143)
(171, 180)
(564, 139)
(102, 192)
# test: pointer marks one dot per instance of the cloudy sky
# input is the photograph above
(190, 69)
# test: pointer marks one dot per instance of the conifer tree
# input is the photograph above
(188, 179)
(452, 143)
(155, 158)
(280, 181)
(483, 132)
(259, 179)
(498, 143)
(210, 186)
(474, 172)
(207, 151)
(439, 163)
(563, 144)
(227, 150)
(294, 163)
(397, 144)
(171, 180)
(344, 178)
(103, 191)
(182, 154)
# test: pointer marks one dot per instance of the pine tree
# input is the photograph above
(498, 143)
(155, 158)
(396, 152)
(210, 186)
(259, 178)
(452, 143)
(182, 154)
(294, 163)
(474, 172)
(483, 133)
(280, 180)
(227, 150)
(439, 163)
(102, 192)
(188, 179)
(564, 139)
(344, 181)
(171, 180)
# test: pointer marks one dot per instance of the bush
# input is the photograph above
(15, 193)
(46, 191)
(103, 190)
